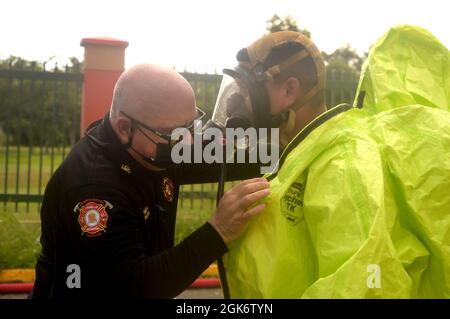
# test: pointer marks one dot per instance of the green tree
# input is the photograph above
(344, 59)
(37, 111)
(276, 24)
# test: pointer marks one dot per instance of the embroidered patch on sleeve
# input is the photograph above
(92, 216)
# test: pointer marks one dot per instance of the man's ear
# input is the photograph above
(292, 91)
(123, 129)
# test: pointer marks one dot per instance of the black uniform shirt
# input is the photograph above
(106, 214)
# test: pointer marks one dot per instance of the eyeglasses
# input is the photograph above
(165, 136)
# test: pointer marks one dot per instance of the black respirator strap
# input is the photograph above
(277, 120)
(260, 104)
(130, 138)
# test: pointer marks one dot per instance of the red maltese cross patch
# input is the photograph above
(92, 216)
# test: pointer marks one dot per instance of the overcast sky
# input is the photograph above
(198, 34)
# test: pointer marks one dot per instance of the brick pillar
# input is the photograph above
(104, 60)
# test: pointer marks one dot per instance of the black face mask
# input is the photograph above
(163, 157)
(261, 107)
(261, 117)
(237, 113)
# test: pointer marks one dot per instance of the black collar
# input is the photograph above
(102, 135)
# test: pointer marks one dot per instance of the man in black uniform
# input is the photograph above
(108, 215)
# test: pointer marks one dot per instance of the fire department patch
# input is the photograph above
(168, 189)
(92, 216)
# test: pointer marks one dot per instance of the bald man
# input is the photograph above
(108, 215)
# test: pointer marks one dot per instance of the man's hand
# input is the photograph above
(235, 208)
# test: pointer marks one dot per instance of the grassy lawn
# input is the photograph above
(19, 243)
(27, 170)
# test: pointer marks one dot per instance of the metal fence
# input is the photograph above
(40, 121)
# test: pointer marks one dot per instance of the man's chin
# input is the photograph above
(145, 164)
